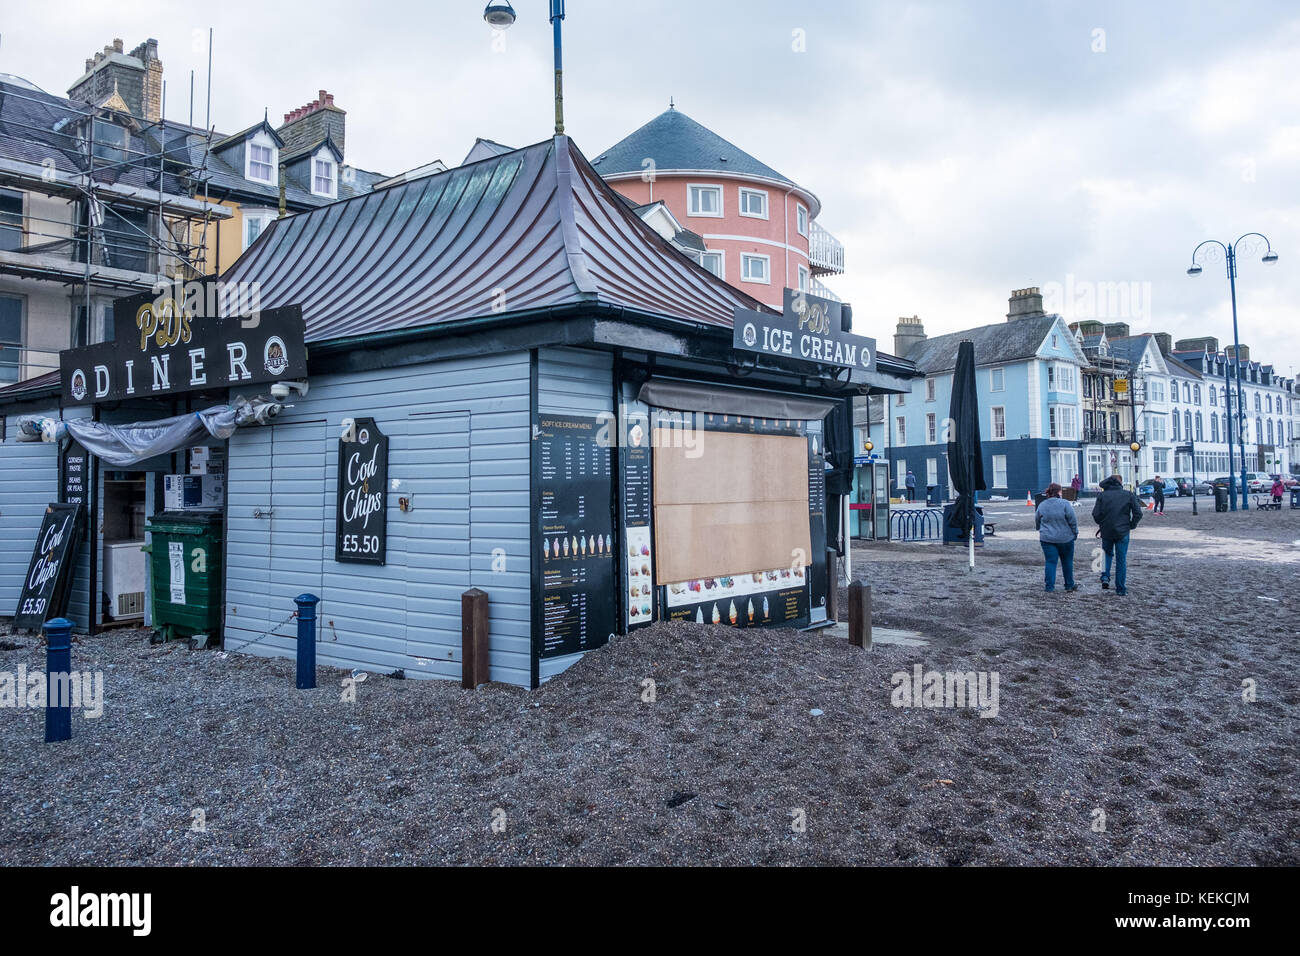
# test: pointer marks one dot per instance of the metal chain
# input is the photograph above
(254, 640)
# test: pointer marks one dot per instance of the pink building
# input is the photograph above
(741, 219)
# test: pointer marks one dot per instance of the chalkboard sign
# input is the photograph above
(45, 589)
(74, 474)
(361, 527)
(575, 534)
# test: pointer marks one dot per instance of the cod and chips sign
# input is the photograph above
(810, 330)
(167, 341)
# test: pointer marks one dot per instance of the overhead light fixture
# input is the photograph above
(1194, 271)
(499, 16)
(1270, 258)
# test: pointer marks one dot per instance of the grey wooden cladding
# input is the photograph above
(459, 446)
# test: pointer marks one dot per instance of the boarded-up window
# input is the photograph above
(730, 504)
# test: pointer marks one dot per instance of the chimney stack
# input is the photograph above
(312, 122)
(1207, 343)
(1117, 330)
(137, 78)
(910, 333)
(1164, 342)
(1025, 304)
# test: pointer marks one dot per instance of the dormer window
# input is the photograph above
(324, 177)
(261, 159)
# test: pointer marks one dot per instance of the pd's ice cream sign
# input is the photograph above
(160, 347)
(811, 330)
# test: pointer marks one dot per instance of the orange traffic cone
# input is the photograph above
(1029, 498)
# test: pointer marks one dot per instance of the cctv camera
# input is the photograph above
(280, 391)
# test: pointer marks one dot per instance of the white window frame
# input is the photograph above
(931, 429)
(931, 472)
(690, 201)
(722, 262)
(22, 349)
(748, 191)
(993, 423)
(745, 257)
(994, 384)
(265, 142)
(805, 279)
(263, 216)
(1000, 471)
(325, 157)
(801, 216)
(929, 390)
(900, 431)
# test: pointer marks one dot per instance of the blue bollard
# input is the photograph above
(58, 661)
(306, 640)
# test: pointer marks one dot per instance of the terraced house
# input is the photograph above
(1028, 386)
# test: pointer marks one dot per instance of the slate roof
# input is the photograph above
(994, 344)
(675, 141)
(1128, 348)
(537, 222)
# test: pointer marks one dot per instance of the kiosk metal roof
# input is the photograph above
(528, 230)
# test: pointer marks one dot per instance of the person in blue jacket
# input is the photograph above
(1057, 531)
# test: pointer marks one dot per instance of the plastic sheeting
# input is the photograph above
(123, 445)
(725, 400)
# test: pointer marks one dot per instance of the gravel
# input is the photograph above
(749, 747)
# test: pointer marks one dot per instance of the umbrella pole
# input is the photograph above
(975, 500)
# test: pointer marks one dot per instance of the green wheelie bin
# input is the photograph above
(186, 551)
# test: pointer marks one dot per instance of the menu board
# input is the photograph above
(45, 589)
(638, 542)
(361, 513)
(74, 474)
(817, 564)
(575, 531)
(778, 596)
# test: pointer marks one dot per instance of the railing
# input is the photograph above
(821, 289)
(1112, 436)
(825, 252)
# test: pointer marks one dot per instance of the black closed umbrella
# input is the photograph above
(965, 458)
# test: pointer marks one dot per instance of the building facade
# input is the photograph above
(758, 227)
(1028, 381)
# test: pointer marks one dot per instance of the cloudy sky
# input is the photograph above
(960, 150)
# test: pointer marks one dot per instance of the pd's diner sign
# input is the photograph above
(361, 521)
(809, 331)
(161, 348)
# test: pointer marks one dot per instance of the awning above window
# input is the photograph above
(682, 396)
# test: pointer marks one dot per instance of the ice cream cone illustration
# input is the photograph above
(766, 612)
(566, 547)
(699, 615)
(575, 545)
(749, 611)
(731, 613)
(717, 618)
(609, 543)
(583, 544)
(546, 547)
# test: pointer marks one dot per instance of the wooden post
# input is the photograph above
(860, 615)
(832, 585)
(473, 639)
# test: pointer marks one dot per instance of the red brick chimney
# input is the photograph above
(311, 123)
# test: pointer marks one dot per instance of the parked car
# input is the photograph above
(1258, 483)
(1180, 485)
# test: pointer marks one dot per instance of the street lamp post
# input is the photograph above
(1230, 255)
(500, 15)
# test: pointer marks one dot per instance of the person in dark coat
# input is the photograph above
(1057, 530)
(1117, 511)
(910, 483)
(1158, 493)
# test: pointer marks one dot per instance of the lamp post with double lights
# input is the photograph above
(501, 15)
(1230, 256)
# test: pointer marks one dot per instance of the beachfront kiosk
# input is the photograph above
(507, 382)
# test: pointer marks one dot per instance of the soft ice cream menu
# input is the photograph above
(637, 540)
(575, 533)
(753, 599)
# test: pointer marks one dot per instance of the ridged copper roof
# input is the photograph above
(532, 228)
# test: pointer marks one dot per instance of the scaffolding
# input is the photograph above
(130, 216)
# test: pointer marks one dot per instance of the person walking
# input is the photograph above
(910, 482)
(1057, 531)
(1277, 489)
(1117, 512)
(1158, 494)
(1077, 483)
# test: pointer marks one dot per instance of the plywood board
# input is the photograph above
(734, 503)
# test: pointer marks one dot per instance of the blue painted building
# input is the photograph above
(1028, 386)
